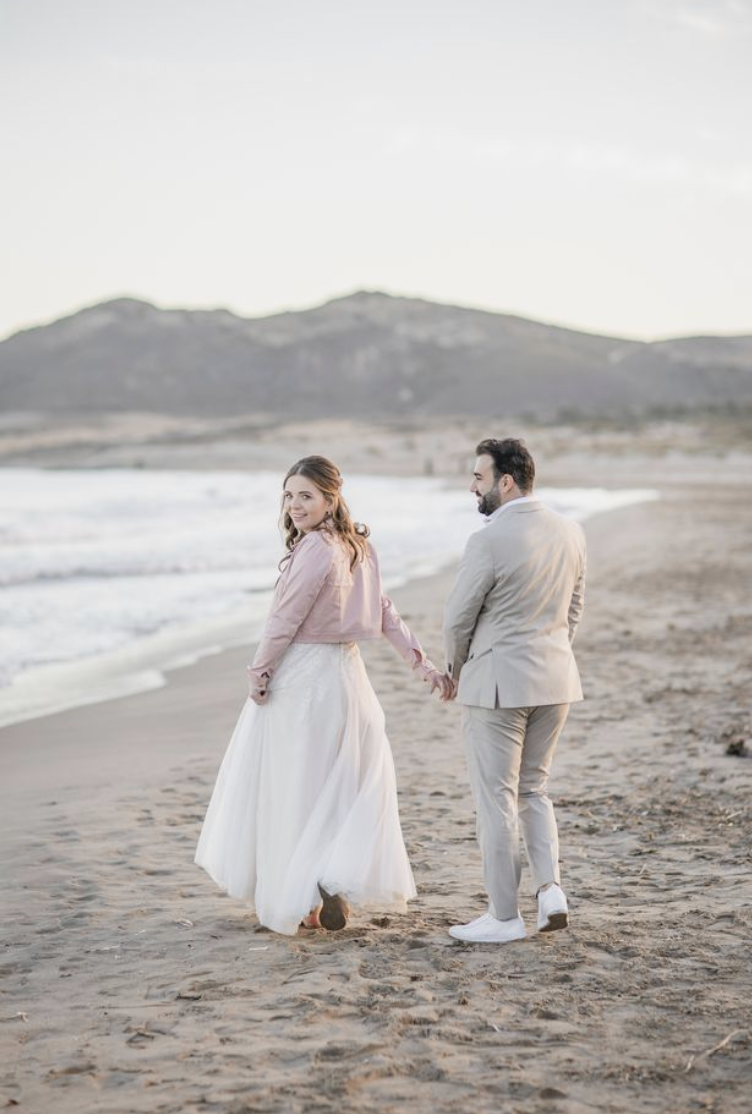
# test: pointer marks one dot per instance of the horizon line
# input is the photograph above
(359, 291)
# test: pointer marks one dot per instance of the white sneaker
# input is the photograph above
(487, 930)
(484, 918)
(552, 909)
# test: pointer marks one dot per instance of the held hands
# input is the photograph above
(443, 683)
(257, 687)
(439, 682)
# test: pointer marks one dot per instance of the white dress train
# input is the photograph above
(306, 794)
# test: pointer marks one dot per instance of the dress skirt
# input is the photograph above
(306, 794)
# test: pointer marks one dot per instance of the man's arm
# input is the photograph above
(475, 578)
(577, 602)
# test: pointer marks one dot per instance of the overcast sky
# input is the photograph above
(585, 162)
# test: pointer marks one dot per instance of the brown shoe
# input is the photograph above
(334, 912)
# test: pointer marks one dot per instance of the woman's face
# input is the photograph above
(305, 503)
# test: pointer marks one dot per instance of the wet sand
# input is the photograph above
(132, 985)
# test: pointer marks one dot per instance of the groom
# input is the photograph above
(509, 625)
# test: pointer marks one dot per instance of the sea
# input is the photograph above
(111, 578)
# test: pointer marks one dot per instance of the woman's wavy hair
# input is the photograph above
(327, 477)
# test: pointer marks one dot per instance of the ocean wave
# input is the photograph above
(16, 578)
(114, 560)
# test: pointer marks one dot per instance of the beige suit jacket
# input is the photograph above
(512, 614)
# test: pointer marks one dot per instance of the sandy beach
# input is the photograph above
(130, 984)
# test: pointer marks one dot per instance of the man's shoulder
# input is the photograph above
(478, 541)
(566, 526)
(531, 519)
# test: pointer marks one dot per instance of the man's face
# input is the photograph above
(485, 486)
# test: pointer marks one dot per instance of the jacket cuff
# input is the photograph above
(424, 667)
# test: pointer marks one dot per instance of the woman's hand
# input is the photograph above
(257, 687)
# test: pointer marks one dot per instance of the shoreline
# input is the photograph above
(132, 984)
(142, 663)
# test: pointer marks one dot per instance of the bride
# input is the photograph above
(303, 822)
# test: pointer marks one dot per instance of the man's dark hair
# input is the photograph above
(510, 458)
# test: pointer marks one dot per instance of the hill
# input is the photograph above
(368, 354)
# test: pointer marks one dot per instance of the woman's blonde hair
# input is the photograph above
(327, 477)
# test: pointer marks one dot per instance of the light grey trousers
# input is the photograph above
(509, 753)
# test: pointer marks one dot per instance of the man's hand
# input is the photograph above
(257, 687)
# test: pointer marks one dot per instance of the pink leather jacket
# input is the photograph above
(319, 598)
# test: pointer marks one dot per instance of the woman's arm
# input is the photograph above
(399, 635)
(301, 583)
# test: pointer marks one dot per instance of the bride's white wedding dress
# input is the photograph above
(306, 794)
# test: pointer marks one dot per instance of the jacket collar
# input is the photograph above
(513, 504)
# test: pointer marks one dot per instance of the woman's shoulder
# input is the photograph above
(315, 547)
(326, 546)
(311, 540)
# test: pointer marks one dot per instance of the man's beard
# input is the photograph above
(490, 502)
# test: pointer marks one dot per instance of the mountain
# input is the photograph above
(368, 354)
